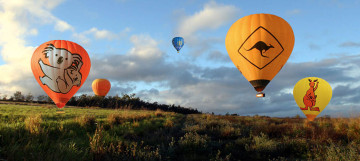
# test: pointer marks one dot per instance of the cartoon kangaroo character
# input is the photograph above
(260, 45)
(63, 70)
(310, 97)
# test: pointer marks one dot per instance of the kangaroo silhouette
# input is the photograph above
(310, 97)
(260, 45)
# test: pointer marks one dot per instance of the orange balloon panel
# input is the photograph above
(259, 45)
(60, 67)
(101, 87)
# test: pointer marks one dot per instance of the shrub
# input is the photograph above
(159, 113)
(194, 140)
(115, 119)
(32, 123)
(262, 143)
(97, 143)
(86, 120)
(168, 123)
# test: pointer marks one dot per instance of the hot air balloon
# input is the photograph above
(259, 45)
(178, 43)
(60, 67)
(312, 94)
(101, 87)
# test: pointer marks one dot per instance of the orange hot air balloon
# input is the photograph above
(259, 45)
(101, 87)
(60, 67)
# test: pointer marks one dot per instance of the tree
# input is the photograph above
(29, 97)
(18, 96)
(4, 97)
(48, 99)
(41, 98)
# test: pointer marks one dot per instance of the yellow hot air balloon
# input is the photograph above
(259, 45)
(312, 94)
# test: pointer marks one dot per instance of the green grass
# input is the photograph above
(37, 132)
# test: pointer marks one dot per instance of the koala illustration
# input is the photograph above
(63, 70)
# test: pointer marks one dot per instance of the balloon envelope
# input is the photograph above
(178, 43)
(60, 67)
(259, 45)
(101, 87)
(312, 95)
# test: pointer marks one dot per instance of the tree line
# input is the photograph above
(114, 102)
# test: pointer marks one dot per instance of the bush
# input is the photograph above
(86, 120)
(115, 119)
(32, 124)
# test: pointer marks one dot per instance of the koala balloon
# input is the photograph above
(63, 70)
(60, 67)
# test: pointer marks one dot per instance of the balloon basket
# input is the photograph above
(260, 94)
(60, 111)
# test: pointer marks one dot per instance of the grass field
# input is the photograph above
(37, 132)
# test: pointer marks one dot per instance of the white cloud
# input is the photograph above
(98, 34)
(33, 32)
(35, 12)
(145, 47)
(62, 26)
(224, 89)
(19, 20)
(212, 16)
(293, 12)
(82, 38)
(143, 62)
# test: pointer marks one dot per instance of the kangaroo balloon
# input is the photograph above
(312, 95)
(60, 67)
(259, 45)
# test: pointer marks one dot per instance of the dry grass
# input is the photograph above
(126, 116)
(168, 123)
(140, 117)
(144, 135)
(32, 124)
(115, 119)
(86, 120)
(135, 124)
(159, 113)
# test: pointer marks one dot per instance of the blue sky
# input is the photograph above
(129, 43)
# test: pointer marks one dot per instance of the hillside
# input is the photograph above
(38, 132)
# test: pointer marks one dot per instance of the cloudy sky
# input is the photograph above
(129, 43)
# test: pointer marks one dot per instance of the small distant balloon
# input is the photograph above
(178, 43)
(101, 87)
(61, 68)
(312, 95)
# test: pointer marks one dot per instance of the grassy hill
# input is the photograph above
(38, 132)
